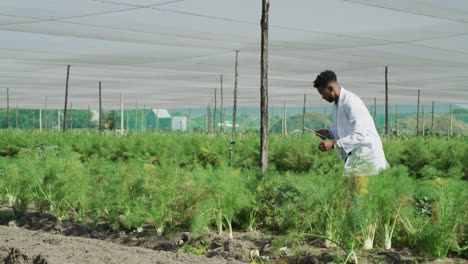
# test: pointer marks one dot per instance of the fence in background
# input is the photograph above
(403, 119)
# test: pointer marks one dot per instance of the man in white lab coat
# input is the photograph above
(358, 143)
(354, 133)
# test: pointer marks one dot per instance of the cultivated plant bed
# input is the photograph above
(247, 247)
(151, 188)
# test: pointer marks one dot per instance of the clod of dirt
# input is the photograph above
(231, 249)
(40, 260)
(72, 229)
(393, 257)
(17, 256)
(52, 241)
(310, 260)
(49, 223)
(157, 243)
(182, 238)
(36, 221)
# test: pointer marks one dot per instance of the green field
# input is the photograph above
(186, 183)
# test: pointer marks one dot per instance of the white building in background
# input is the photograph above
(161, 113)
(179, 123)
(160, 119)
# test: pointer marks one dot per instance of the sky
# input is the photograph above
(172, 53)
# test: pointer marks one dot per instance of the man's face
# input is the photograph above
(327, 93)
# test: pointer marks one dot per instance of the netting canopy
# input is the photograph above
(170, 54)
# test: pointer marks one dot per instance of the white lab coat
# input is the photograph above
(358, 141)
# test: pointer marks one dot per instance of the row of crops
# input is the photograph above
(187, 182)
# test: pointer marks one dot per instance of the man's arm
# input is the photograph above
(327, 145)
(324, 133)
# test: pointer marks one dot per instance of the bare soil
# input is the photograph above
(41, 239)
(21, 246)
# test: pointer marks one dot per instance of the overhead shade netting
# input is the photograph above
(170, 54)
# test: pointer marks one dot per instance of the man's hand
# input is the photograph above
(324, 133)
(326, 145)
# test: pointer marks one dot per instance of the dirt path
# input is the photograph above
(18, 246)
(37, 238)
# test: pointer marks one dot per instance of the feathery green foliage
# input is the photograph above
(184, 182)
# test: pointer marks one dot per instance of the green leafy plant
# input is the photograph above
(178, 182)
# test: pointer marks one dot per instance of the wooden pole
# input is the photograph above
(417, 114)
(66, 100)
(396, 119)
(190, 121)
(157, 120)
(100, 108)
(222, 106)
(210, 118)
(40, 119)
(264, 86)
(234, 110)
(432, 119)
(128, 123)
(153, 119)
(17, 117)
(243, 123)
(422, 117)
(386, 101)
(121, 115)
(206, 118)
(8, 107)
(303, 115)
(71, 115)
(451, 124)
(214, 114)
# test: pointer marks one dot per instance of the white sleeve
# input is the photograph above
(356, 118)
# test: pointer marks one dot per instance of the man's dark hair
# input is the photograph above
(324, 78)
